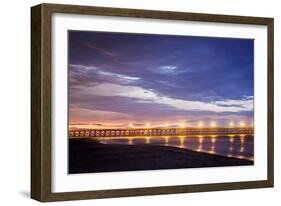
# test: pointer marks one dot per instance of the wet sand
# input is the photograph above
(88, 156)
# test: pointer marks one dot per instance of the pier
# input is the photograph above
(159, 132)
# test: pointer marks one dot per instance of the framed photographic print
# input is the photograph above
(132, 102)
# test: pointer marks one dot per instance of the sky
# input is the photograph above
(139, 80)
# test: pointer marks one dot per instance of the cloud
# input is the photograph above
(103, 75)
(167, 69)
(109, 89)
(246, 103)
(88, 114)
(126, 78)
(81, 68)
(149, 96)
(102, 50)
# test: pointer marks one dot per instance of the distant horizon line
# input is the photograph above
(148, 128)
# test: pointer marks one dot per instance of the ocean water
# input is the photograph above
(239, 146)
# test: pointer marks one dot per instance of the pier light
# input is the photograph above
(130, 140)
(166, 140)
(231, 124)
(147, 140)
(241, 157)
(242, 139)
(242, 149)
(181, 124)
(201, 124)
(242, 124)
(212, 151)
(199, 149)
(181, 142)
(213, 124)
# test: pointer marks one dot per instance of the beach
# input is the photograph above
(88, 156)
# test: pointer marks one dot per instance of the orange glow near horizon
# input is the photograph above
(181, 124)
(213, 124)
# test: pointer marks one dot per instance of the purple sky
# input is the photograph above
(117, 79)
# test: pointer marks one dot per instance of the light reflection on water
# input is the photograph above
(240, 146)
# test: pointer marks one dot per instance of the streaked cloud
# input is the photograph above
(246, 103)
(118, 76)
(148, 96)
(101, 50)
(108, 76)
(167, 69)
(83, 114)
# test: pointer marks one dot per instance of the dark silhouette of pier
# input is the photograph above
(160, 132)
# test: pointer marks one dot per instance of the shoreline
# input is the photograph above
(89, 156)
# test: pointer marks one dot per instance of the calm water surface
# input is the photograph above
(240, 146)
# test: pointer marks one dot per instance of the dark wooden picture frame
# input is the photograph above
(41, 117)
